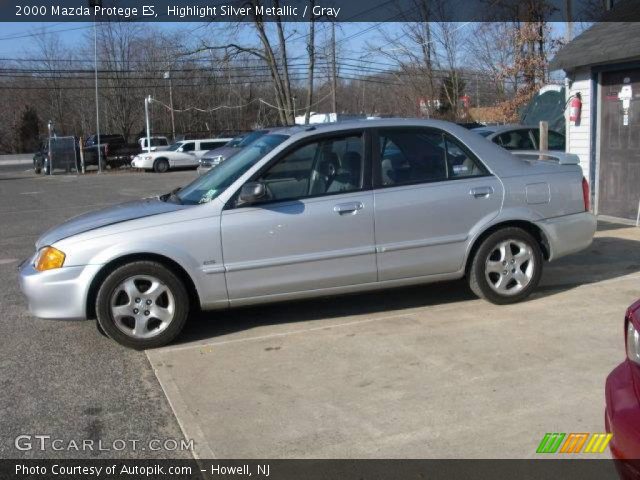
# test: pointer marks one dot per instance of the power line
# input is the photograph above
(179, 85)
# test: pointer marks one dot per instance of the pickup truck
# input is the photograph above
(114, 151)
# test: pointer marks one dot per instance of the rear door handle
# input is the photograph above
(481, 192)
(351, 207)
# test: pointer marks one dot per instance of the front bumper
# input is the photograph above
(568, 234)
(207, 163)
(622, 414)
(60, 293)
(138, 162)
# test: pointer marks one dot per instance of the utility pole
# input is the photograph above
(147, 101)
(167, 75)
(49, 156)
(93, 4)
(569, 22)
(334, 81)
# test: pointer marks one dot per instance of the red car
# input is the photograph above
(622, 415)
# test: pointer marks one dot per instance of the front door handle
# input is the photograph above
(481, 192)
(351, 207)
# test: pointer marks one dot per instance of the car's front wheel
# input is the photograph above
(142, 305)
(506, 267)
(161, 165)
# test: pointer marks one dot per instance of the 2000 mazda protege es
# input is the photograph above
(315, 211)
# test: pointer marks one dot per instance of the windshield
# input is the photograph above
(174, 147)
(252, 137)
(234, 141)
(209, 186)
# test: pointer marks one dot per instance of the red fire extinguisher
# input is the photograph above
(574, 109)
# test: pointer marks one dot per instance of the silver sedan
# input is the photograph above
(312, 211)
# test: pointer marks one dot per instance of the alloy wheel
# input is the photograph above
(142, 306)
(510, 267)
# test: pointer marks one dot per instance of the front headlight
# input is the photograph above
(217, 160)
(148, 157)
(48, 258)
(633, 343)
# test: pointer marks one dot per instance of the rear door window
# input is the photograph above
(423, 155)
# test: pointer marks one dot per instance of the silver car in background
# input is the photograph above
(520, 137)
(312, 211)
(215, 157)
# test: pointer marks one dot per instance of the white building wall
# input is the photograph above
(579, 136)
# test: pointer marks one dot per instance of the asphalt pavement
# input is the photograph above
(64, 379)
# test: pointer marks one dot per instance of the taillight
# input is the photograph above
(585, 194)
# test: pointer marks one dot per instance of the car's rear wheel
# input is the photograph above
(506, 267)
(161, 165)
(142, 305)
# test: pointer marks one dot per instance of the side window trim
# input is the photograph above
(366, 174)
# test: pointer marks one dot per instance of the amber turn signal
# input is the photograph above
(49, 258)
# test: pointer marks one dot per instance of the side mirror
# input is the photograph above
(252, 192)
(181, 149)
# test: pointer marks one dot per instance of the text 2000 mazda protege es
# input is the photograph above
(315, 211)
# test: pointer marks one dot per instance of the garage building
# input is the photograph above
(603, 66)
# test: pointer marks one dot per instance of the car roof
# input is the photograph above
(499, 160)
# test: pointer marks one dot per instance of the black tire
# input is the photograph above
(488, 252)
(101, 330)
(46, 170)
(114, 282)
(37, 169)
(161, 165)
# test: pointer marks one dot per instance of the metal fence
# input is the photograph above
(63, 155)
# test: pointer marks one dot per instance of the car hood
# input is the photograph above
(107, 216)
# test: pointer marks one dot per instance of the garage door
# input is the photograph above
(619, 177)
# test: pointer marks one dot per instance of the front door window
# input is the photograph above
(323, 167)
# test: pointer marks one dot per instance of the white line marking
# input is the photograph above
(6, 261)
